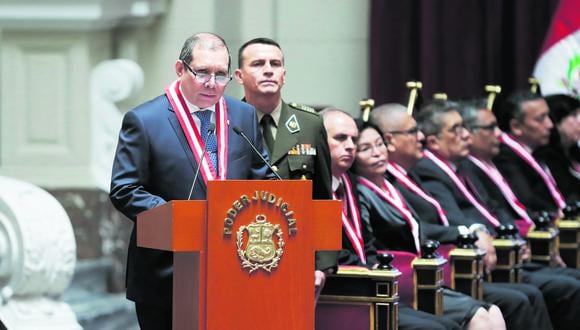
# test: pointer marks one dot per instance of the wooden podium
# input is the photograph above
(244, 259)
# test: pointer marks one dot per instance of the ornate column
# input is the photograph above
(112, 81)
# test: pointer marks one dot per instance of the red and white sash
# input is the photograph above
(401, 177)
(353, 229)
(193, 137)
(393, 197)
(529, 159)
(459, 184)
(496, 177)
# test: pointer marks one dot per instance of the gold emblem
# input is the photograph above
(261, 250)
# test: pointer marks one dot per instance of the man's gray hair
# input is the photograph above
(429, 118)
(469, 111)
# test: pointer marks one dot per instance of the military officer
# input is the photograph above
(294, 134)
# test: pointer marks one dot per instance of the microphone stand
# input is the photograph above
(240, 133)
(211, 129)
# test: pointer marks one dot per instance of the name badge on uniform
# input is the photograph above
(304, 149)
(292, 124)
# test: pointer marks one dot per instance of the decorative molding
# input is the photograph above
(38, 246)
(44, 76)
(101, 231)
(111, 82)
(37, 257)
(38, 313)
(78, 15)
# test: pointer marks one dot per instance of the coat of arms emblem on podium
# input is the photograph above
(261, 250)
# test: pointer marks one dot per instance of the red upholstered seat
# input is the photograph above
(443, 251)
(524, 227)
(358, 298)
(342, 317)
(402, 262)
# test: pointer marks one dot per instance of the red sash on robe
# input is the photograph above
(393, 197)
(352, 228)
(193, 137)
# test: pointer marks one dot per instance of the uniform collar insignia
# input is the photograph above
(292, 124)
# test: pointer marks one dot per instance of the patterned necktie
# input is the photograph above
(209, 141)
(266, 123)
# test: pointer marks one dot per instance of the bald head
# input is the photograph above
(400, 132)
(389, 117)
(342, 134)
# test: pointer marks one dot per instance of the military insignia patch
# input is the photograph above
(305, 149)
(261, 250)
(303, 108)
(292, 124)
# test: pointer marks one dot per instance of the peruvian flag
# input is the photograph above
(558, 68)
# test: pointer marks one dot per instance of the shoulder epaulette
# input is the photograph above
(303, 108)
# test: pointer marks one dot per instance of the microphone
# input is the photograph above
(240, 133)
(209, 131)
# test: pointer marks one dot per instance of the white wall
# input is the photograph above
(325, 43)
(45, 105)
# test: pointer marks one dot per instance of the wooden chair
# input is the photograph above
(360, 298)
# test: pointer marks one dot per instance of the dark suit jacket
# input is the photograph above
(502, 208)
(390, 229)
(427, 214)
(524, 181)
(348, 255)
(560, 165)
(459, 209)
(154, 164)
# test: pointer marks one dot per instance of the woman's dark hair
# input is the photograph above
(362, 125)
(561, 106)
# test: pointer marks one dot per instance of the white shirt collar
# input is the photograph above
(335, 183)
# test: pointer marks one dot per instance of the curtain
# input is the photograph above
(454, 46)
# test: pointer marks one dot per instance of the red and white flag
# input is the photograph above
(558, 68)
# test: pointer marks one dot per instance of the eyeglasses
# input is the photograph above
(410, 131)
(491, 127)
(203, 77)
(457, 129)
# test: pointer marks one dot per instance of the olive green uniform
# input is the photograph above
(301, 152)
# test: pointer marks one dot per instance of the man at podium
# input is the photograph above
(168, 148)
